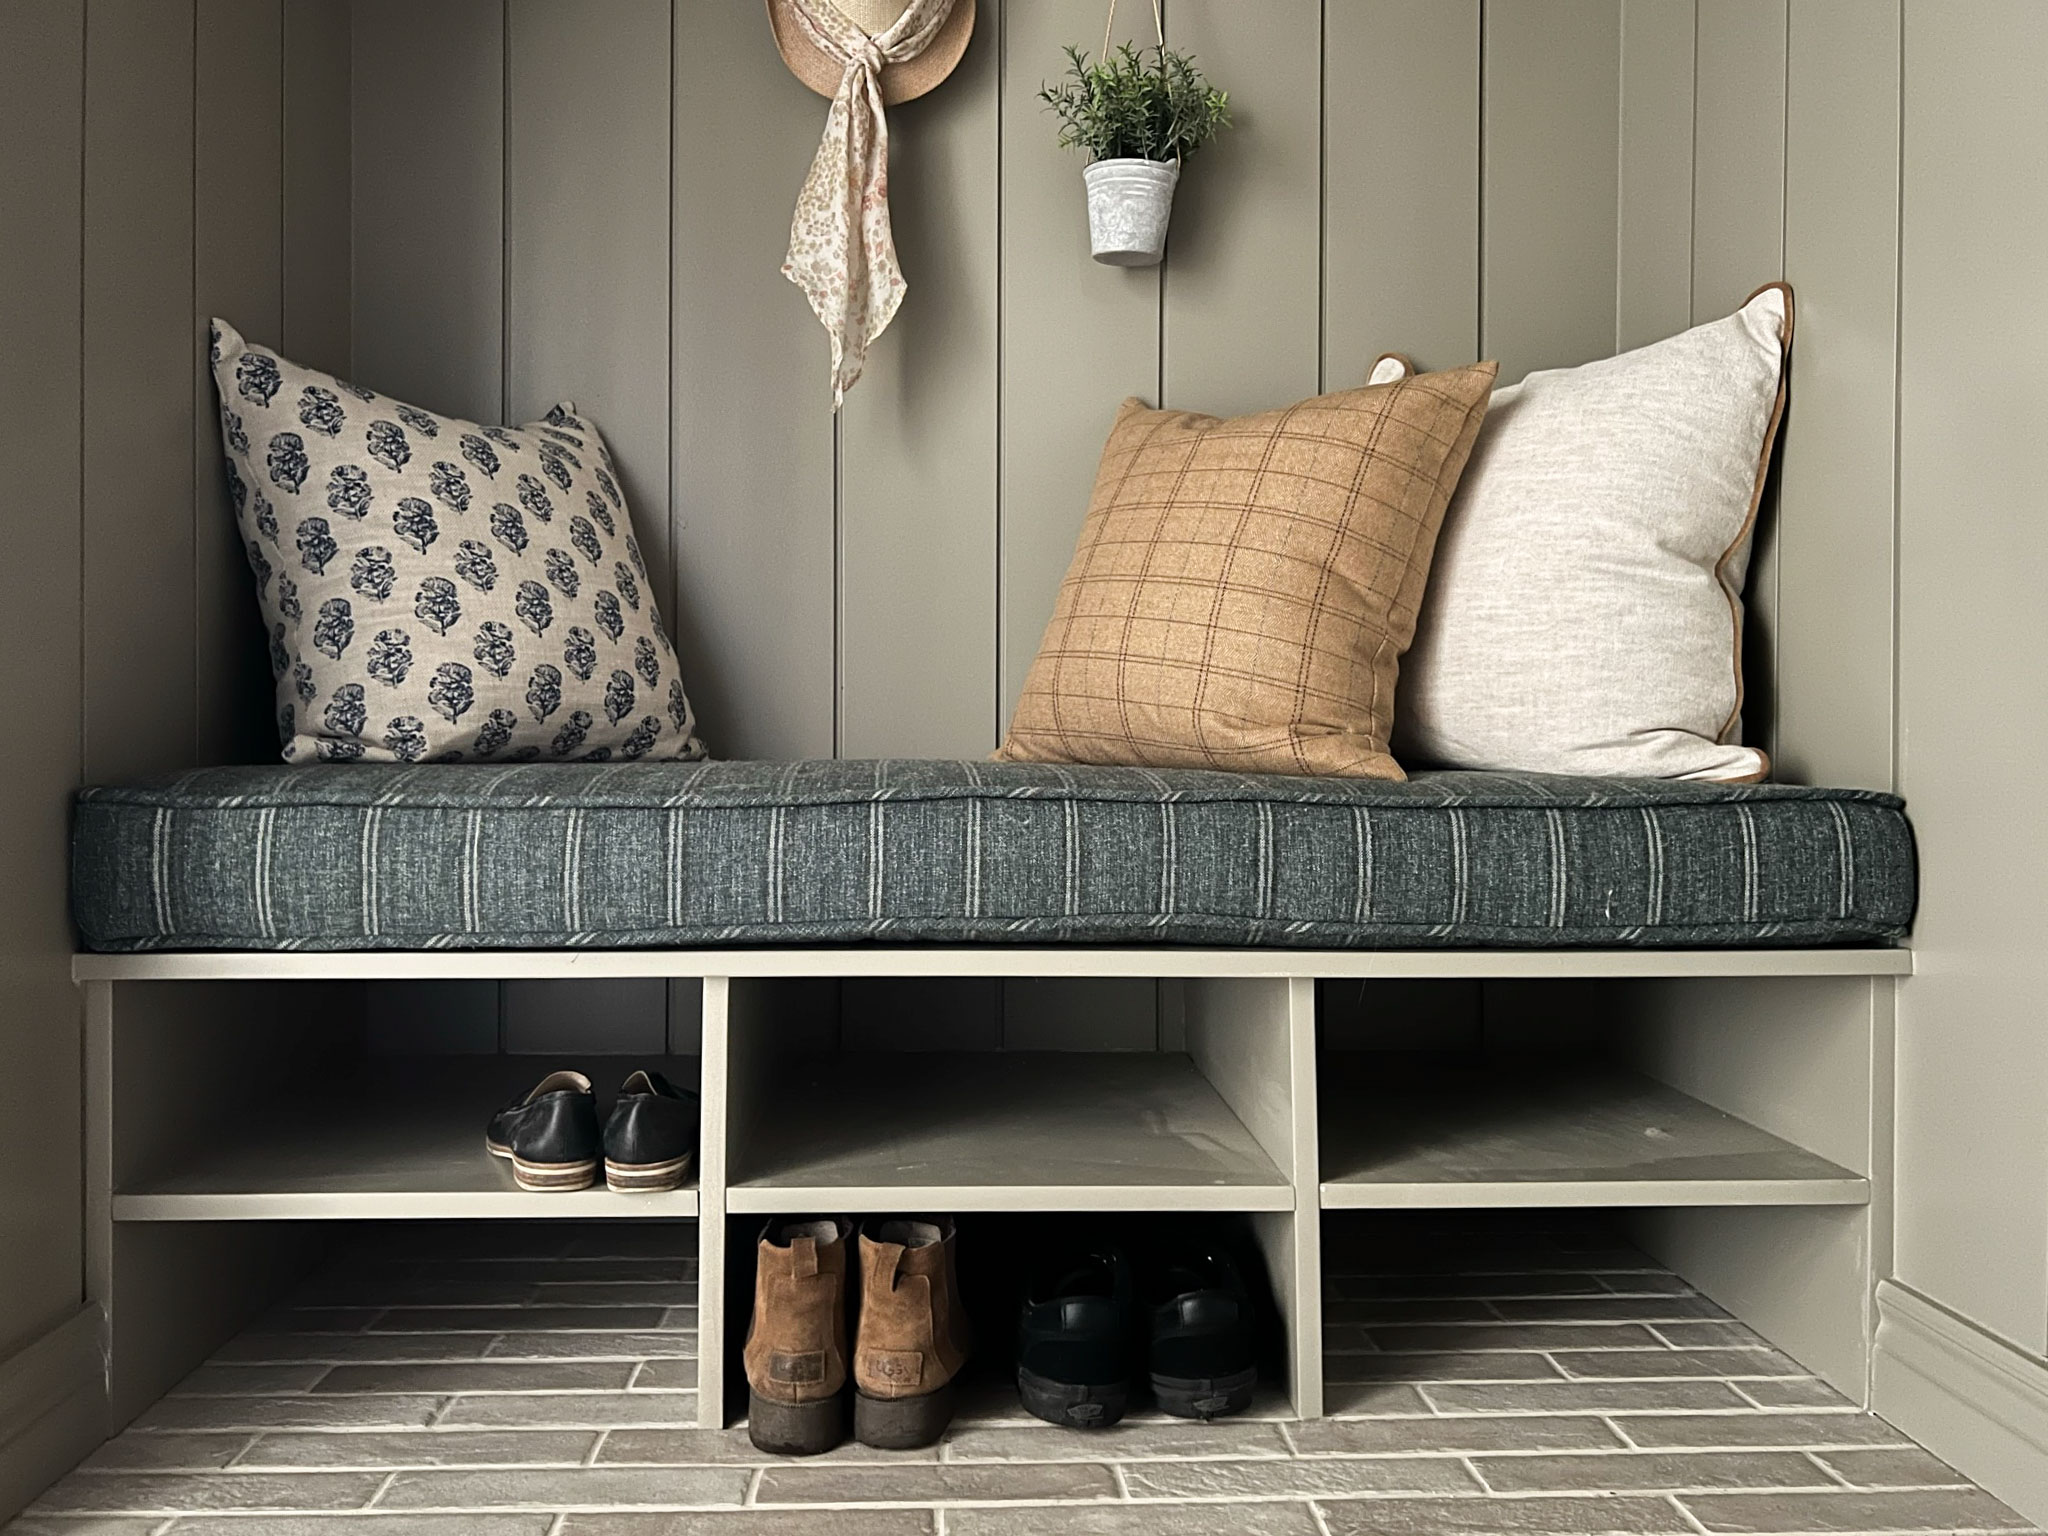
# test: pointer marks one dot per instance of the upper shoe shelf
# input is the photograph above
(403, 1138)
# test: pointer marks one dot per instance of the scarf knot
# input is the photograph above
(842, 252)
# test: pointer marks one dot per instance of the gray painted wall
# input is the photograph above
(164, 159)
(1973, 651)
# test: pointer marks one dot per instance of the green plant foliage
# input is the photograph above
(1141, 105)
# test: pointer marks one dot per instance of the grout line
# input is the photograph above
(1686, 1514)
(382, 1489)
(1002, 649)
(1323, 197)
(1828, 1471)
(1322, 1523)
(504, 260)
(1692, 210)
(1479, 208)
(1897, 742)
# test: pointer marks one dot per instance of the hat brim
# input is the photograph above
(900, 82)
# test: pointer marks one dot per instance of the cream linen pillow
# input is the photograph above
(1584, 614)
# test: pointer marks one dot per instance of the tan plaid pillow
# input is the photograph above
(1243, 590)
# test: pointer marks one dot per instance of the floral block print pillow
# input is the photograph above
(439, 591)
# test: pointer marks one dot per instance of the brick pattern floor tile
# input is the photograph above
(1487, 1375)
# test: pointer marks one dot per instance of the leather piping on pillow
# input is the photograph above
(1742, 537)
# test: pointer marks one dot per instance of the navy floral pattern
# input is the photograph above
(436, 590)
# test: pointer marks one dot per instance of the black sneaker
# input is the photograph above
(1204, 1348)
(1074, 1342)
(650, 1141)
(550, 1135)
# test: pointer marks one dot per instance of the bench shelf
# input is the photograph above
(1003, 1131)
(396, 1141)
(1529, 1134)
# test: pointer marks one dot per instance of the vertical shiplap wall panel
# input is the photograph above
(429, 178)
(138, 339)
(1738, 243)
(588, 274)
(317, 226)
(427, 134)
(917, 633)
(1551, 162)
(586, 234)
(1739, 165)
(1653, 280)
(1972, 1207)
(238, 274)
(1243, 312)
(755, 555)
(1835, 503)
(1078, 337)
(42, 82)
(1400, 184)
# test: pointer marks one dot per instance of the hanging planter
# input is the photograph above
(1138, 114)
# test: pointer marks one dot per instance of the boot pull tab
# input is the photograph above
(803, 1257)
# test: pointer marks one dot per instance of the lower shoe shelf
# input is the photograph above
(994, 1131)
(405, 1139)
(1400, 1134)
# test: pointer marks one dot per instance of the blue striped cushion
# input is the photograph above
(680, 854)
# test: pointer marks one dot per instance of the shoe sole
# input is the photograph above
(902, 1423)
(796, 1429)
(648, 1178)
(1205, 1398)
(553, 1178)
(1073, 1405)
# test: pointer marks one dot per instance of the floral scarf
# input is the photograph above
(841, 251)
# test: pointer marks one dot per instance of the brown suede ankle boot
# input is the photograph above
(796, 1342)
(913, 1334)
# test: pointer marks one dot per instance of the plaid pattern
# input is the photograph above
(1243, 590)
(678, 854)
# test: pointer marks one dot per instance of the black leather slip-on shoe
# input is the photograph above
(1203, 1357)
(550, 1135)
(650, 1140)
(1074, 1341)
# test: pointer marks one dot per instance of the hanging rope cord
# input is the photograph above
(1158, 27)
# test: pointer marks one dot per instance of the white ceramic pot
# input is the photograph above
(1129, 202)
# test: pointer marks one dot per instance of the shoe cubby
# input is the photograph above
(1736, 1129)
(305, 1112)
(1160, 1100)
(1727, 1111)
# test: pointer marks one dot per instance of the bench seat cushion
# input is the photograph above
(689, 854)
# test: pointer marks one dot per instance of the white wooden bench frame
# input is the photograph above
(189, 1233)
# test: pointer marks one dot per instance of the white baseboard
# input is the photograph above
(1974, 1399)
(53, 1407)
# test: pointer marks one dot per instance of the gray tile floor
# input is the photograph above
(533, 1379)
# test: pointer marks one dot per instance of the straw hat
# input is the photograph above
(900, 82)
